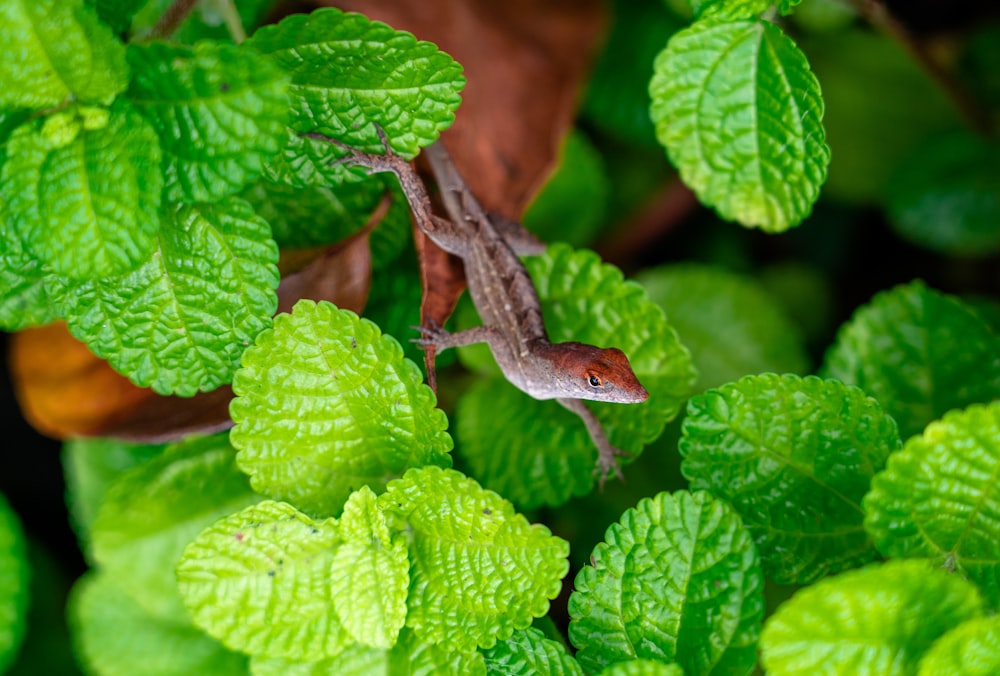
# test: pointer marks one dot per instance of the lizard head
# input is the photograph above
(595, 373)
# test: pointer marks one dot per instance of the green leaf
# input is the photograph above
(794, 456)
(325, 404)
(938, 497)
(535, 452)
(643, 668)
(864, 71)
(315, 215)
(115, 636)
(410, 656)
(878, 620)
(90, 465)
(700, 299)
(970, 649)
(220, 111)
(259, 581)
(739, 111)
(14, 574)
(944, 198)
(24, 292)
(617, 96)
(738, 9)
(919, 352)
(180, 322)
(84, 197)
(478, 570)
(349, 72)
(54, 50)
(152, 511)
(311, 162)
(370, 574)
(677, 579)
(573, 203)
(117, 13)
(528, 652)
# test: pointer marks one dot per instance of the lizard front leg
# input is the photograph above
(607, 455)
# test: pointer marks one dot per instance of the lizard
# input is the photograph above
(506, 299)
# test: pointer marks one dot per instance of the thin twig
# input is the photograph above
(234, 24)
(878, 15)
(172, 18)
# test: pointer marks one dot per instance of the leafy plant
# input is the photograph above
(165, 196)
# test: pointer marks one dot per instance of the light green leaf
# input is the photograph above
(14, 573)
(944, 198)
(410, 656)
(82, 197)
(349, 72)
(919, 352)
(54, 50)
(526, 653)
(739, 111)
(738, 9)
(875, 621)
(794, 456)
(115, 636)
(180, 322)
(152, 511)
(536, 452)
(701, 299)
(259, 581)
(90, 465)
(478, 569)
(370, 574)
(643, 668)
(970, 649)
(315, 215)
(939, 497)
(325, 404)
(220, 111)
(573, 203)
(676, 580)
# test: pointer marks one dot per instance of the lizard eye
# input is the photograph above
(594, 381)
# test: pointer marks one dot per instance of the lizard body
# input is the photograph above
(507, 302)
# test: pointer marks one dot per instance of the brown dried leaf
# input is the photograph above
(66, 391)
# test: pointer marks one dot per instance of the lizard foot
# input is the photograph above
(432, 334)
(607, 464)
(373, 162)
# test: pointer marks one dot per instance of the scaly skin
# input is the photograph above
(507, 302)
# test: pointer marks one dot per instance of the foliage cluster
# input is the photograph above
(146, 190)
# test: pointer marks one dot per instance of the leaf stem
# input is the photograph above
(172, 18)
(234, 24)
(878, 15)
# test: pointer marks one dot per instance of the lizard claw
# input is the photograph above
(607, 464)
(432, 334)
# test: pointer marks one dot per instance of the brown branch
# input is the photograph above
(666, 210)
(172, 18)
(878, 15)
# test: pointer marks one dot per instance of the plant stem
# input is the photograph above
(234, 24)
(878, 15)
(172, 18)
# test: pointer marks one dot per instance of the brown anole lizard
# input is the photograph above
(507, 302)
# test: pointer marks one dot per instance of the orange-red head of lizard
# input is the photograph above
(595, 373)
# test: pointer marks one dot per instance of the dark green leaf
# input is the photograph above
(220, 112)
(794, 456)
(677, 579)
(919, 352)
(13, 584)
